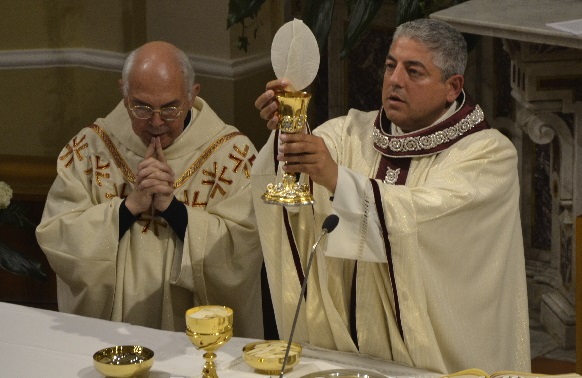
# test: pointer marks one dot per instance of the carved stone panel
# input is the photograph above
(546, 85)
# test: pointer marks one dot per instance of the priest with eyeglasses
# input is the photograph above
(151, 210)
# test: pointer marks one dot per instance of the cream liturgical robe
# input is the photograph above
(426, 266)
(150, 277)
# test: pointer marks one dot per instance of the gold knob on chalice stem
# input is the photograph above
(209, 328)
(292, 119)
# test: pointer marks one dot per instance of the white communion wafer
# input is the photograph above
(210, 312)
(295, 54)
(270, 349)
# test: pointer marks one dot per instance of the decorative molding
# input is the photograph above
(113, 61)
(542, 127)
(230, 69)
(48, 58)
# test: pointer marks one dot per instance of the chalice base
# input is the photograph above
(288, 193)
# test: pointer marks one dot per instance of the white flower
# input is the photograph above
(5, 195)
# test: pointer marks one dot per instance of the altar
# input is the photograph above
(546, 127)
(42, 343)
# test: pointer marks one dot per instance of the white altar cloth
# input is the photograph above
(41, 343)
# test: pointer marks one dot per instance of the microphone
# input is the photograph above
(329, 224)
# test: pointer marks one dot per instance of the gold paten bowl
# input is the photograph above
(266, 357)
(123, 361)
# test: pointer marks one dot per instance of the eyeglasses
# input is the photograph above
(145, 112)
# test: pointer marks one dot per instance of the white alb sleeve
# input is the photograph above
(181, 273)
(358, 234)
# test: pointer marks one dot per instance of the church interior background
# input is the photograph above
(61, 74)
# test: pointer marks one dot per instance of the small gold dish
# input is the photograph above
(266, 357)
(123, 361)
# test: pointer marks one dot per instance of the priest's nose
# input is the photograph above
(156, 120)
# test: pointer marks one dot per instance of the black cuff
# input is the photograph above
(126, 219)
(177, 217)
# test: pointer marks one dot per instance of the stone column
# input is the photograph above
(546, 83)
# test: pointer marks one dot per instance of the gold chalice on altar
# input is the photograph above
(292, 119)
(209, 327)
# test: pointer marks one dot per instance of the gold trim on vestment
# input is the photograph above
(74, 151)
(119, 160)
(205, 155)
(130, 176)
(430, 140)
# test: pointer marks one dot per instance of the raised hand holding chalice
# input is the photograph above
(295, 57)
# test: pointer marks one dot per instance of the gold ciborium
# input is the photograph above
(209, 327)
(292, 119)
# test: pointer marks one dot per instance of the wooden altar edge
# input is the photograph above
(30, 177)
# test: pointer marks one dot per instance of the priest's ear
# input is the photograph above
(454, 87)
(123, 92)
(193, 93)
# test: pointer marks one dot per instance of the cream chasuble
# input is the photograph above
(448, 292)
(150, 277)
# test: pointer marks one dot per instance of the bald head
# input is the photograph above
(161, 59)
(158, 76)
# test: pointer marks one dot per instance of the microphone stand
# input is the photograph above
(304, 286)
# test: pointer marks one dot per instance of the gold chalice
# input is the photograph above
(209, 327)
(292, 119)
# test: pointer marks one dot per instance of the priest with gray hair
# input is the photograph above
(426, 266)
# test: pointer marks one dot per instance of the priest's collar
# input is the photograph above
(460, 120)
(395, 130)
(188, 119)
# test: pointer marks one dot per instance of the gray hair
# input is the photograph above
(447, 45)
(185, 67)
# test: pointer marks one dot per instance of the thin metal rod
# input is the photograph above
(299, 302)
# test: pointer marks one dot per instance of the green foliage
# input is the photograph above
(238, 12)
(361, 16)
(317, 14)
(16, 263)
(14, 215)
(11, 260)
(408, 10)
